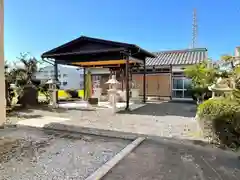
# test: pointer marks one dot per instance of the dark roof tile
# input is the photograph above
(178, 57)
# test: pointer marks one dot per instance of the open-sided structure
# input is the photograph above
(89, 52)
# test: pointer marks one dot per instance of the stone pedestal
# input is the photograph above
(53, 99)
(135, 93)
(112, 93)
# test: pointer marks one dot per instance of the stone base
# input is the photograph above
(93, 101)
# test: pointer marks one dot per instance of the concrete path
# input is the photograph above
(168, 161)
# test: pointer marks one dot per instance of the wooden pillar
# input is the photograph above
(130, 70)
(122, 78)
(84, 83)
(2, 76)
(144, 81)
(127, 83)
(56, 77)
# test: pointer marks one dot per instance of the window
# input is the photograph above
(187, 94)
(181, 86)
(177, 93)
(177, 83)
(65, 83)
(187, 83)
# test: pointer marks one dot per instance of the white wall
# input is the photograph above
(2, 79)
(99, 70)
(178, 68)
(70, 77)
(237, 51)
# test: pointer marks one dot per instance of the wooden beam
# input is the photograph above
(102, 63)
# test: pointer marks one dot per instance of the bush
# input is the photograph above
(73, 93)
(219, 120)
(201, 94)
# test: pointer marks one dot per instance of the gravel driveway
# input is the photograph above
(31, 154)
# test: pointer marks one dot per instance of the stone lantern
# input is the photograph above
(220, 88)
(53, 92)
(112, 92)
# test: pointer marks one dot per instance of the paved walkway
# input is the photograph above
(169, 161)
(166, 119)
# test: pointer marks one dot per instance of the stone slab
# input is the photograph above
(40, 122)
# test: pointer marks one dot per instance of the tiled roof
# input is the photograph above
(178, 57)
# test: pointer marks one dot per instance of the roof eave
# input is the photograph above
(147, 53)
(82, 52)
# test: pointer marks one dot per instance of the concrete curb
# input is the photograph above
(119, 134)
(104, 169)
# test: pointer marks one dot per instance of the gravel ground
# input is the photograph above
(32, 154)
(165, 119)
(175, 161)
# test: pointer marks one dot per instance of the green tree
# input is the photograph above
(202, 75)
(24, 75)
(21, 74)
(229, 60)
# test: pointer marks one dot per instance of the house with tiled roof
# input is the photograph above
(165, 78)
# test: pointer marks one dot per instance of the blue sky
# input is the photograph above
(36, 26)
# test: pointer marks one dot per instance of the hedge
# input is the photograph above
(220, 121)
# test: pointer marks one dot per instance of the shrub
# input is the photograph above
(219, 119)
(200, 94)
(73, 93)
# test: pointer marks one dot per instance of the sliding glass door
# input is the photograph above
(180, 87)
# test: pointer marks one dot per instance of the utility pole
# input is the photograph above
(2, 74)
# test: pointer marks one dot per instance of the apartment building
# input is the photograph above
(69, 77)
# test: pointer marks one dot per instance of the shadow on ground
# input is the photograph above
(29, 112)
(171, 108)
